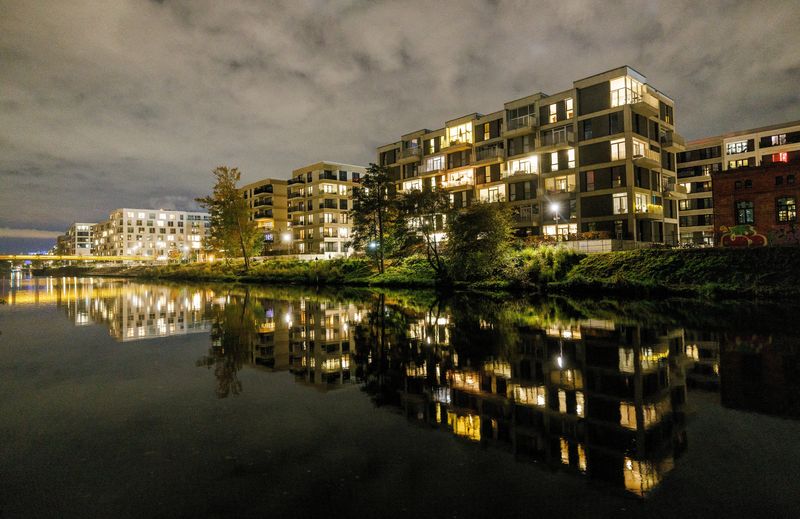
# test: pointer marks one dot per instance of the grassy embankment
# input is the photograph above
(765, 272)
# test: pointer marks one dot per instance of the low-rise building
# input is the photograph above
(320, 197)
(77, 241)
(778, 143)
(756, 206)
(156, 233)
(267, 202)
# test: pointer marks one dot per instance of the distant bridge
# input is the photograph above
(57, 257)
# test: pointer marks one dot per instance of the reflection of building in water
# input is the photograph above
(133, 311)
(272, 346)
(702, 350)
(320, 341)
(592, 397)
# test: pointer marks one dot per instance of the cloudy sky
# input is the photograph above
(113, 103)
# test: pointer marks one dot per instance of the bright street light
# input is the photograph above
(286, 237)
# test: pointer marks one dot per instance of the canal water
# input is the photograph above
(127, 399)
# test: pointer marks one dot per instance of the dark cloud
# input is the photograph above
(109, 104)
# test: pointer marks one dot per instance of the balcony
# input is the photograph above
(263, 201)
(673, 142)
(675, 192)
(295, 180)
(262, 190)
(647, 159)
(458, 145)
(555, 141)
(410, 155)
(432, 168)
(328, 176)
(645, 104)
(519, 173)
(520, 126)
(294, 194)
(650, 212)
(488, 155)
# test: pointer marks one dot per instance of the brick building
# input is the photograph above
(756, 206)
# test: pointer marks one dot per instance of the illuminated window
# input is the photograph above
(744, 212)
(554, 161)
(434, 163)
(736, 147)
(553, 114)
(523, 166)
(618, 149)
(639, 148)
(570, 110)
(739, 163)
(786, 209)
(778, 140)
(460, 134)
(620, 203)
(571, 158)
(780, 157)
(625, 90)
(412, 185)
(640, 202)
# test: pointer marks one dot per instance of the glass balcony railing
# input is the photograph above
(525, 121)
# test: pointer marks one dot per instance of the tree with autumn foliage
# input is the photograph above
(232, 233)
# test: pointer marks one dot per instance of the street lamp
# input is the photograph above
(287, 239)
(372, 245)
(554, 208)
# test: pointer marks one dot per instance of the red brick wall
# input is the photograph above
(763, 194)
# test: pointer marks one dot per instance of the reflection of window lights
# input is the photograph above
(618, 149)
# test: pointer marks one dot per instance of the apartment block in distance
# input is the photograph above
(319, 198)
(77, 241)
(156, 233)
(779, 143)
(598, 157)
(267, 202)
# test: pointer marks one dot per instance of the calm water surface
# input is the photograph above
(128, 399)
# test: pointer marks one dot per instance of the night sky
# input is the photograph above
(107, 104)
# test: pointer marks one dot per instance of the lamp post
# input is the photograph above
(286, 238)
(554, 208)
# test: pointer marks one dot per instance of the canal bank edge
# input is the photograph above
(769, 272)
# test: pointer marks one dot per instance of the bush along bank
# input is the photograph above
(767, 272)
(717, 273)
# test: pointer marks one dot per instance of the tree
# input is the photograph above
(372, 214)
(231, 229)
(479, 241)
(423, 214)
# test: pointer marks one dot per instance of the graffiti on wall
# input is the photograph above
(741, 236)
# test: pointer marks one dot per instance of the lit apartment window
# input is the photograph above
(739, 163)
(553, 114)
(639, 148)
(525, 165)
(736, 147)
(778, 140)
(744, 212)
(460, 134)
(620, 203)
(493, 194)
(412, 185)
(570, 110)
(554, 161)
(434, 163)
(618, 149)
(780, 157)
(786, 209)
(571, 158)
(625, 90)
(641, 202)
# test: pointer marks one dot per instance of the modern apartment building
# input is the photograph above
(598, 157)
(157, 233)
(77, 241)
(778, 143)
(319, 198)
(268, 208)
